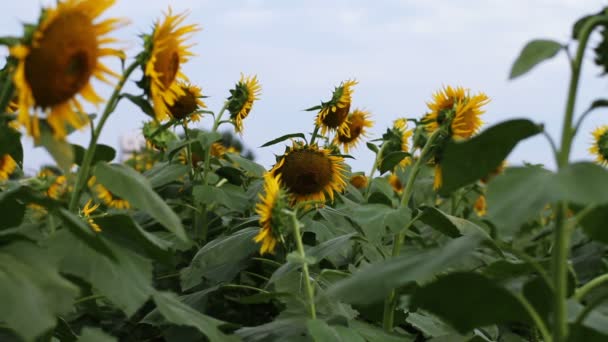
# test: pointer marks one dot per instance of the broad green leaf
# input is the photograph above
(428, 324)
(140, 102)
(10, 143)
(206, 139)
(372, 283)
(127, 283)
(468, 161)
(102, 153)
(517, 196)
(95, 335)
(391, 160)
(283, 138)
(220, 259)
(135, 188)
(322, 332)
(594, 325)
(533, 53)
(84, 232)
(251, 168)
(375, 334)
(372, 147)
(228, 195)
(61, 151)
(582, 183)
(232, 174)
(178, 313)
(447, 296)
(121, 229)
(318, 252)
(11, 211)
(32, 291)
(594, 224)
(281, 329)
(166, 174)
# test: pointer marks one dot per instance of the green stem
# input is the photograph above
(87, 298)
(83, 173)
(561, 233)
(374, 167)
(538, 321)
(592, 284)
(162, 128)
(309, 290)
(314, 135)
(409, 186)
(188, 152)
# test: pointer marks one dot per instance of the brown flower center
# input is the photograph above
(61, 62)
(184, 106)
(306, 172)
(167, 63)
(355, 132)
(335, 119)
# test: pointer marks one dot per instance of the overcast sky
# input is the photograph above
(399, 51)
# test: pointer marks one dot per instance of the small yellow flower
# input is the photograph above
(358, 122)
(88, 209)
(600, 145)
(60, 61)
(333, 114)
(168, 52)
(58, 188)
(480, 206)
(269, 208)
(107, 197)
(7, 167)
(457, 110)
(241, 99)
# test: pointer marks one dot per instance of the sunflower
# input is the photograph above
(310, 173)
(167, 53)
(400, 126)
(58, 188)
(438, 181)
(480, 206)
(457, 110)
(107, 197)
(395, 182)
(58, 62)
(269, 208)
(88, 209)
(359, 181)
(333, 114)
(7, 167)
(358, 122)
(241, 100)
(187, 104)
(600, 145)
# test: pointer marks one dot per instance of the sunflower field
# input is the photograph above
(189, 239)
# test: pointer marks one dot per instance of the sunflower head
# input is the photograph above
(188, 103)
(600, 145)
(58, 188)
(456, 111)
(309, 173)
(358, 122)
(359, 181)
(396, 139)
(8, 165)
(480, 205)
(165, 51)
(395, 182)
(241, 99)
(107, 197)
(270, 208)
(333, 114)
(56, 61)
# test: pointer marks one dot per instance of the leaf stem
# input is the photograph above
(538, 321)
(296, 225)
(584, 290)
(83, 172)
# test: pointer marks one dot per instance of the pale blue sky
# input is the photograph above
(399, 51)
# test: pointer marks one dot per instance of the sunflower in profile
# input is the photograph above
(457, 110)
(310, 173)
(359, 181)
(58, 188)
(395, 183)
(358, 122)
(187, 104)
(107, 197)
(400, 126)
(86, 212)
(333, 114)
(600, 145)
(7, 167)
(241, 99)
(438, 180)
(270, 210)
(57, 61)
(167, 51)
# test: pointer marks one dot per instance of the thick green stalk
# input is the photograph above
(391, 300)
(561, 234)
(309, 290)
(83, 172)
(582, 292)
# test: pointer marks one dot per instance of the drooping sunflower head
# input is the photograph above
(395, 182)
(333, 114)
(107, 197)
(241, 100)
(270, 210)
(358, 122)
(8, 165)
(57, 61)
(166, 51)
(455, 110)
(600, 145)
(359, 181)
(309, 173)
(187, 104)
(396, 139)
